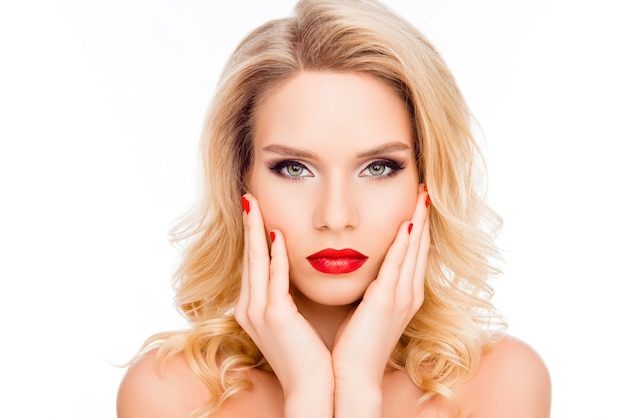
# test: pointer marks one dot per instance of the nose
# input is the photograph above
(336, 206)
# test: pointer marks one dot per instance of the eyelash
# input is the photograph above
(394, 166)
(278, 168)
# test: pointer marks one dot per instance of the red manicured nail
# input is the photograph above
(427, 201)
(410, 228)
(245, 204)
(272, 236)
(425, 188)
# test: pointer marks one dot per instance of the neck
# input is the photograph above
(324, 318)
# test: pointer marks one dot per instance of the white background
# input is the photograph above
(101, 104)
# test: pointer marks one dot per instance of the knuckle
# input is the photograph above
(394, 266)
(273, 315)
(270, 317)
(404, 301)
(275, 268)
(254, 311)
(254, 254)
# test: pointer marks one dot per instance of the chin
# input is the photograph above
(334, 291)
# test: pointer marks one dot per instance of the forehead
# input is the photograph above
(333, 111)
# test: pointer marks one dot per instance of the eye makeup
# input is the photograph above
(377, 170)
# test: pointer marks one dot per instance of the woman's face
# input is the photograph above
(334, 169)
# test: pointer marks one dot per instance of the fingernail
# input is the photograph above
(425, 188)
(272, 236)
(427, 200)
(410, 228)
(245, 204)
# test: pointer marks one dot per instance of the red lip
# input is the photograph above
(337, 261)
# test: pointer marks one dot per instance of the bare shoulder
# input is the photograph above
(172, 390)
(512, 381)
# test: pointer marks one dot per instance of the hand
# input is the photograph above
(367, 338)
(267, 312)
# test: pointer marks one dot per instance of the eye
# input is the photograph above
(294, 170)
(291, 169)
(376, 169)
(382, 168)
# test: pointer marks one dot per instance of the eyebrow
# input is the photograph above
(294, 152)
(385, 149)
(287, 151)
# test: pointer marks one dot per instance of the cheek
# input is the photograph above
(390, 207)
(278, 209)
(383, 217)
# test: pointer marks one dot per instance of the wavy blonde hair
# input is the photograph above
(442, 345)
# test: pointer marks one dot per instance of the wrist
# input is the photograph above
(315, 402)
(358, 400)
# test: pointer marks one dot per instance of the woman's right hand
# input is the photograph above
(266, 311)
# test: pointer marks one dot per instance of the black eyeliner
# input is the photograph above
(277, 168)
(394, 165)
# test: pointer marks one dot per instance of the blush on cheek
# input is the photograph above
(395, 206)
(275, 218)
(403, 212)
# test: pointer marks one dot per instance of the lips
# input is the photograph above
(337, 261)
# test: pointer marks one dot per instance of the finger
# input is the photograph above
(279, 269)
(244, 292)
(419, 219)
(422, 264)
(257, 255)
(391, 268)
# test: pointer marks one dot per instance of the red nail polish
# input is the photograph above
(425, 188)
(245, 204)
(272, 236)
(410, 228)
(427, 201)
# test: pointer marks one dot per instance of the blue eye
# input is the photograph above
(382, 168)
(291, 169)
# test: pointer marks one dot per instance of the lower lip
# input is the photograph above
(337, 265)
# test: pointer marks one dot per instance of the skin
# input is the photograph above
(336, 132)
(338, 198)
(328, 337)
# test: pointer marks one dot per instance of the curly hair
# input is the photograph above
(442, 345)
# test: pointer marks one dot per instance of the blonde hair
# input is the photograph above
(442, 345)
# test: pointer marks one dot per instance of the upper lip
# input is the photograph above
(332, 253)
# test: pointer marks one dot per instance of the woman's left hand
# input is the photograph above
(367, 338)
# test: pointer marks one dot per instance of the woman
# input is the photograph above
(354, 281)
